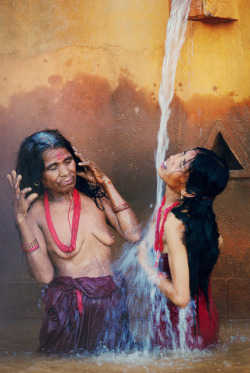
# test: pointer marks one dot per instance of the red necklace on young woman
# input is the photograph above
(75, 222)
(160, 231)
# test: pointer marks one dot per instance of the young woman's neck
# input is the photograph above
(171, 196)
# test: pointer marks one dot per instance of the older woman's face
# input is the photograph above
(174, 171)
(59, 170)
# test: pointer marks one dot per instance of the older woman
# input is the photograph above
(187, 246)
(63, 204)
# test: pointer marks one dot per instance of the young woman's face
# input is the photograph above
(59, 173)
(174, 171)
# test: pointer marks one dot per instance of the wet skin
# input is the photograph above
(92, 257)
(174, 171)
(59, 176)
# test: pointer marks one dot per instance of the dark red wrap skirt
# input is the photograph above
(85, 315)
(201, 325)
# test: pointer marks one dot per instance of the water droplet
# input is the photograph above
(137, 109)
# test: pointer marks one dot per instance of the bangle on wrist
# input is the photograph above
(154, 279)
(30, 247)
(120, 208)
(107, 182)
(162, 275)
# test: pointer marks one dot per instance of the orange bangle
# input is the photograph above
(107, 182)
(120, 208)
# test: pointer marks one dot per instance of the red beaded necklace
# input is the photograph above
(160, 231)
(75, 222)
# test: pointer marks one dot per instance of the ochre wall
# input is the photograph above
(212, 96)
(92, 69)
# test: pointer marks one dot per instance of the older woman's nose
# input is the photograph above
(64, 170)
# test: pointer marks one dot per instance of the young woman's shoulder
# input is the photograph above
(174, 230)
(173, 222)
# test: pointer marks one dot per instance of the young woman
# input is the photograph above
(63, 204)
(187, 246)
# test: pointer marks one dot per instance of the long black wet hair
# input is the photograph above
(208, 176)
(31, 166)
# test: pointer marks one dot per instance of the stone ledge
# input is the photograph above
(212, 11)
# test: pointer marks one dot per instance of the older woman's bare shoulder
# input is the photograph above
(37, 208)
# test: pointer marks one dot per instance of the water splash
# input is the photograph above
(146, 303)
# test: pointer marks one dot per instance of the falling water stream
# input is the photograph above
(141, 300)
(175, 36)
(235, 340)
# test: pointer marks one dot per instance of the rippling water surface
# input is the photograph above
(19, 337)
(19, 341)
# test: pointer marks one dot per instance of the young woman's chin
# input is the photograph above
(160, 171)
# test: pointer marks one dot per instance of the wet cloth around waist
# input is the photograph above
(84, 313)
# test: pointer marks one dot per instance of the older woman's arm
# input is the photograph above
(118, 212)
(31, 237)
(38, 260)
(120, 215)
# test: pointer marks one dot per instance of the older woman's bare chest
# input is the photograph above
(63, 230)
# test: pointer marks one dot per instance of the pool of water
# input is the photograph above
(19, 341)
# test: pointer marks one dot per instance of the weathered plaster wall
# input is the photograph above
(212, 96)
(93, 70)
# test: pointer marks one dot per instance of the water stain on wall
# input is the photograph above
(118, 130)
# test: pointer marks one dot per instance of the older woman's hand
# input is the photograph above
(92, 172)
(21, 204)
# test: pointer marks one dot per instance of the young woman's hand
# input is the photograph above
(92, 172)
(143, 258)
(21, 204)
(151, 272)
(142, 255)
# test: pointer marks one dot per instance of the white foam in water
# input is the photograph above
(141, 293)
